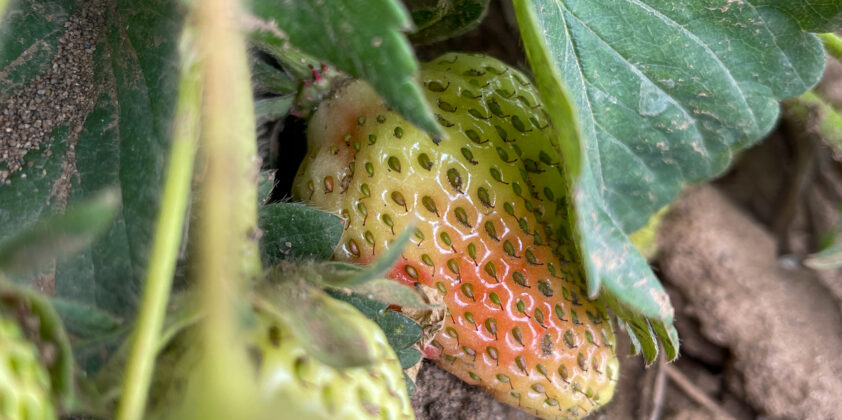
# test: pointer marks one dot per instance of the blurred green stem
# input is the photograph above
(168, 236)
(832, 44)
(829, 120)
(227, 230)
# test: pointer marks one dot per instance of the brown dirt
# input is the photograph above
(782, 327)
(63, 95)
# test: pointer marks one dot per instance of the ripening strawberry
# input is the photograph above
(491, 236)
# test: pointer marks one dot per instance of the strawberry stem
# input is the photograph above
(168, 236)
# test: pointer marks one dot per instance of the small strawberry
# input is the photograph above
(25, 391)
(293, 383)
(491, 236)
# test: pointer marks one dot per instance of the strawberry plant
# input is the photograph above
(275, 209)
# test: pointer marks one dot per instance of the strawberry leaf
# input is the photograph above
(409, 357)
(113, 130)
(437, 20)
(641, 116)
(401, 331)
(361, 38)
(296, 231)
(58, 235)
(84, 321)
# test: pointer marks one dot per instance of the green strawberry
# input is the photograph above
(491, 236)
(293, 383)
(24, 382)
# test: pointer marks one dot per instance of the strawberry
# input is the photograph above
(25, 392)
(293, 383)
(491, 232)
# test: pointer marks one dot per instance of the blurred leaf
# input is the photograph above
(266, 78)
(85, 321)
(59, 235)
(827, 259)
(359, 37)
(115, 136)
(401, 331)
(270, 109)
(437, 20)
(296, 231)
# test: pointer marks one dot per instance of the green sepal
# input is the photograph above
(316, 320)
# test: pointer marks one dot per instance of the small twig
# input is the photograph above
(658, 389)
(696, 394)
(832, 44)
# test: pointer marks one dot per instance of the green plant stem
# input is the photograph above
(829, 118)
(168, 235)
(832, 44)
(227, 248)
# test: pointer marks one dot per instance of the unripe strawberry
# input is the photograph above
(294, 384)
(491, 236)
(24, 383)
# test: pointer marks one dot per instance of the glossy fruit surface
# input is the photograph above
(491, 236)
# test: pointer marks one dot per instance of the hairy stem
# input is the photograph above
(827, 119)
(832, 44)
(227, 249)
(168, 235)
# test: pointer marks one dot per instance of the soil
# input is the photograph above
(62, 95)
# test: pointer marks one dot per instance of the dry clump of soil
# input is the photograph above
(783, 329)
(62, 95)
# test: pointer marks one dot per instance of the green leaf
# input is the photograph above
(391, 292)
(663, 94)
(401, 331)
(273, 108)
(59, 235)
(85, 321)
(410, 385)
(359, 37)
(811, 15)
(265, 184)
(296, 231)
(409, 357)
(116, 134)
(829, 258)
(266, 78)
(437, 20)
